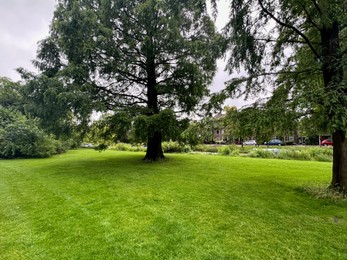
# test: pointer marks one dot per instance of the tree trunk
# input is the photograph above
(339, 179)
(333, 75)
(154, 148)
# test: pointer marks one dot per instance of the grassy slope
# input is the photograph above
(111, 205)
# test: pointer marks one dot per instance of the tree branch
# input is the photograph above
(317, 7)
(122, 95)
(290, 26)
(290, 41)
(310, 18)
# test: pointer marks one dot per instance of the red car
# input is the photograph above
(326, 142)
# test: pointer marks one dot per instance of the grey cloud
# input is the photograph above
(22, 24)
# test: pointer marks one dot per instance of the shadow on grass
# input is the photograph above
(95, 164)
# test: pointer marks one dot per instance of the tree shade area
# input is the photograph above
(141, 58)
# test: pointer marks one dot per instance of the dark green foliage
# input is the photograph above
(138, 57)
(47, 105)
(109, 129)
(62, 109)
(164, 122)
(10, 96)
(21, 137)
(312, 140)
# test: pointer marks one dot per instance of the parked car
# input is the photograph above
(250, 142)
(326, 142)
(86, 145)
(275, 142)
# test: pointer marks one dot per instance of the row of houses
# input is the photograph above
(220, 137)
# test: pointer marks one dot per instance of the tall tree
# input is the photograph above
(140, 57)
(299, 45)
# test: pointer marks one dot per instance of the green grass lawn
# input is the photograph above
(111, 205)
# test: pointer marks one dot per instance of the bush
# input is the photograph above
(206, 148)
(122, 147)
(25, 139)
(235, 152)
(186, 149)
(262, 153)
(128, 147)
(172, 147)
(224, 150)
(231, 150)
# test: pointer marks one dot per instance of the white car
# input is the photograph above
(250, 142)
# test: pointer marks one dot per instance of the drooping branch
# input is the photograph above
(317, 7)
(292, 27)
(275, 40)
(281, 72)
(310, 19)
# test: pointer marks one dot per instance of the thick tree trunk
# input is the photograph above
(333, 76)
(339, 179)
(154, 148)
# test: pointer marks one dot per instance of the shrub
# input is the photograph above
(25, 139)
(206, 148)
(138, 148)
(122, 147)
(262, 153)
(308, 154)
(235, 152)
(224, 150)
(231, 150)
(172, 147)
(186, 149)
(129, 147)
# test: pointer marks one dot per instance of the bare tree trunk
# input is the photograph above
(339, 178)
(333, 76)
(154, 148)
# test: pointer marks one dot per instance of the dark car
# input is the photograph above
(326, 142)
(275, 142)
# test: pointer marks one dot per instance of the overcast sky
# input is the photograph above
(23, 23)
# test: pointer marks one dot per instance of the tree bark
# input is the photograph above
(339, 178)
(333, 76)
(154, 148)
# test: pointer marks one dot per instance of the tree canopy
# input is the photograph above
(139, 57)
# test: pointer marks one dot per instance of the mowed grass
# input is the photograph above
(111, 205)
